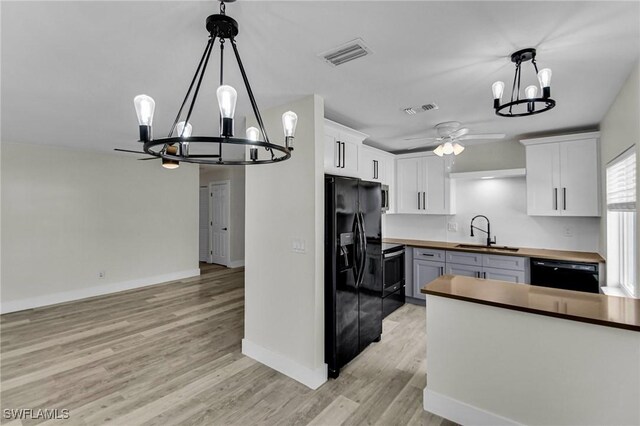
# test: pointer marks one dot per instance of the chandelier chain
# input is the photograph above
(254, 105)
(184, 102)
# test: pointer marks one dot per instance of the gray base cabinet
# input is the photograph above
(425, 271)
(425, 265)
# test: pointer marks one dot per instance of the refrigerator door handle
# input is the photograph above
(356, 248)
(363, 248)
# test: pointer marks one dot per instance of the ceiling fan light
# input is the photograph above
(170, 164)
(457, 148)
(447, 148)
(438, 151)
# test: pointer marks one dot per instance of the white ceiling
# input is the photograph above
(71, 69)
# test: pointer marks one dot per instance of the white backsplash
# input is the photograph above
(504, 202)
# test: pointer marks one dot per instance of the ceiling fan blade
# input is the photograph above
(484, 136)
(422, 138)
(427, 145)
(458, 133)
(128, 150)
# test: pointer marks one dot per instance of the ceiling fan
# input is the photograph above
(137, 152)
(449, 135)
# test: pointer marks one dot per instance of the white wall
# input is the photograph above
(505, 154)
(284, 291)
(236, 176)
(503, 201)
(68, 214)
(619, 129)
(491, 366)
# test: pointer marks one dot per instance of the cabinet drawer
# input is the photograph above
(429, 254)
(464, 258)
(512, 263)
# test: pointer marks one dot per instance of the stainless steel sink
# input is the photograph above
(497, 248)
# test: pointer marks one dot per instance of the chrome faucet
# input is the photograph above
(488, 231)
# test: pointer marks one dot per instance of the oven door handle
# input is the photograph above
(394, 254)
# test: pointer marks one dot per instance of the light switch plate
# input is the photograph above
(452, 227)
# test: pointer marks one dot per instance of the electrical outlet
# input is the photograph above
(452, 227)
(298, 245)
(101, 274)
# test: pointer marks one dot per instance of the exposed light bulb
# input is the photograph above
(182, 130)
(498, 89)
(227, 97)
(438, 151)
(289, 122)
(544, 76)
(145, 106)
(447, 148)
(457, 148)
(531, 92)
(253, 134)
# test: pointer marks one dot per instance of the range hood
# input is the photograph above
(490, 174)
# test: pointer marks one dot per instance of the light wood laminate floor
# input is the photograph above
(170, 355)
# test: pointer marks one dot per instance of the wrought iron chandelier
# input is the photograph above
(531, 103)
(175, 147)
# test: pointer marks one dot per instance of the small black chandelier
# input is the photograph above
(175, 147)
(531, 103)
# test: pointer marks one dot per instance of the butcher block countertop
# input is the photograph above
(573, 256)
(609, 311)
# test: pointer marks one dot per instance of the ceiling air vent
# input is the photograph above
(347, 52)
(419, 108)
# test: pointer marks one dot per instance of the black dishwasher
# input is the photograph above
(576, 276)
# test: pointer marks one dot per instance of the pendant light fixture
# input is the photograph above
(175, 147)
(530, 104)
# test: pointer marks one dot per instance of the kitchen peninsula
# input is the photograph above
(499, 353)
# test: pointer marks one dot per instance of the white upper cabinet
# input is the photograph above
(342, 149)
(423, 186)
(376, 165)
(563, 175)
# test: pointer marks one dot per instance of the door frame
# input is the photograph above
(227, 183)
(207, 258)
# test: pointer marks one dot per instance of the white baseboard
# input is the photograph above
(236, 264)
(83, 293)
(460, 412)
(311, 378)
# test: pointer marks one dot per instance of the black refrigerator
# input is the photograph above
(353, 268)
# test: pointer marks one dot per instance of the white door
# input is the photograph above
(543, 180)
(203, 230)
(409, 197)
(579, 178)
(219, 251)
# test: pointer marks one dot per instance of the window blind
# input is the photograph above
(621, 182)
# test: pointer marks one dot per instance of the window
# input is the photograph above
(622, 223)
